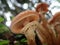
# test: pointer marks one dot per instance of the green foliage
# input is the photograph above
(4, 42)
(3, 28)
(11, 17)
(23, 40)
(1, 19)
(58, 0)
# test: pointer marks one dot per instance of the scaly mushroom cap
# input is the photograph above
(42, 7)
(22, 19)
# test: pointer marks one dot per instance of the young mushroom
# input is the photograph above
(42, 8)
(21, 25)
(55, 22)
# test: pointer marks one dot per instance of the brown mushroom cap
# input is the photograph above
(42, 7)
(22, 19)
(55, 18)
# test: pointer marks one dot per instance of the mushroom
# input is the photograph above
(26, 23)
(55, 22)
(21, 24)
(42, 8)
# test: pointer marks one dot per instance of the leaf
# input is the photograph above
(1, 19)
(3, 28)
(23, 40)
(11, 17)
(3, 42)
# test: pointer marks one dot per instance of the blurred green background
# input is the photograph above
(10, 8)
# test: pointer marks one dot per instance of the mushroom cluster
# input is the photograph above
(28, 23)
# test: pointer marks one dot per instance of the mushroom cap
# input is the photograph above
(22, 19)
(55, 18)
(42, 7)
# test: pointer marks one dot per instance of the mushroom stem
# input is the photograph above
(30, 35)
(48, 28)
(43, 35)
(28, 31)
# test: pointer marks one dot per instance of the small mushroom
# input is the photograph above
(42, 8)
(21, 25)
